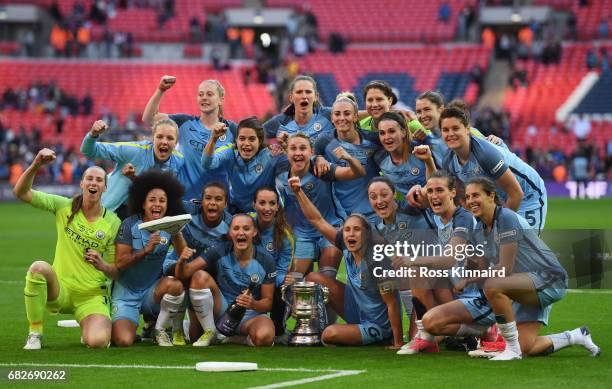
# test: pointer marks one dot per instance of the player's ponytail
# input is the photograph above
(77, 205)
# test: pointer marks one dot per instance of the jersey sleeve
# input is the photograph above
(508, 226)
(284, 259)
(232, 127)
(110, 251)
(321, 143)
(463, 224)
(49, 202)
(339, 241)
(169, 262)
(180, 118)
(371, 136)
(124, 235)
(326, 112)
(222, 158)
(272, 125)
(489, 158)
(211, 255)
(269, 267)
(331, 173)
(119, 152)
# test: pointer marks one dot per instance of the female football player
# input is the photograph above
(249, 166)
(370, 307)
(308, 241)
(518, 184)
(276, 238)
(77, 282)
(237, 265)
(209, 225)
(304, 114)
(532, 280)
(396, 160)
(195, 131)
(158, 154)
(358, 143)
(141, 287)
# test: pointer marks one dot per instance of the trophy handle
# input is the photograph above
(283, 287)
(325, 290)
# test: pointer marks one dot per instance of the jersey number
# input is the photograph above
(373, 332)
(530, 216)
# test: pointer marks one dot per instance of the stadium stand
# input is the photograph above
(410, 70)
(124, 87)
(142, 23)
(588, 15)
(548, 88)
(382, 21)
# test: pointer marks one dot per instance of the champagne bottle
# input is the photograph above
(229, 322)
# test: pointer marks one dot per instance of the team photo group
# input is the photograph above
(258, 209)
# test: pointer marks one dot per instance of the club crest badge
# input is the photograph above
(100, 234)
(163, 240)
(415, 171)
(309, 186)
(270, 247)
(255, 278)
(223, 137)
(402, 225)
(259, 168)
(317, 126)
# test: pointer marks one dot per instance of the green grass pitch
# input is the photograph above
(27, 234)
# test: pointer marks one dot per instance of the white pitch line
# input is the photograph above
(176, 367)
(12, 282)
(590, 291)
(333, 373)
(338, 373)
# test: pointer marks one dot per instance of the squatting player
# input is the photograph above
(77, 282)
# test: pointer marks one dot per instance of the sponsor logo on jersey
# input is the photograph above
(499, 165)
(415, 171)
(477, 170)
(317, 126)
(259, 168)
(504, 235)
(115, 309)
(272, 275)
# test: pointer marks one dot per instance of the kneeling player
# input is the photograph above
(209, 225)
(237, 265)
(77, 281)
(371, 309)
(140, 287)
(463, 314)
(534, 278)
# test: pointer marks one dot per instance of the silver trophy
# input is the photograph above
(307, 302)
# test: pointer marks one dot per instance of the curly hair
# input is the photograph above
(155, 179)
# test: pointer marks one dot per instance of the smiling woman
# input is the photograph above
(141, 287)
(160, 154)
(77, 281)
(250, 165)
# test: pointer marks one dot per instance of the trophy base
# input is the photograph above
(304, 340)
